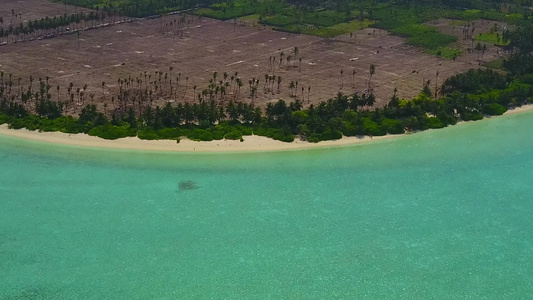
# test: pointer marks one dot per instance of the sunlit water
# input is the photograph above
(443, 214)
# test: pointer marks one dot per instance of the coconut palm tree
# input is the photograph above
(372, 71)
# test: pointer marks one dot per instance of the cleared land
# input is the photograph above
(27, 10)
(207, 45)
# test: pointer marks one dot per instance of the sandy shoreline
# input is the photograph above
(251, 143)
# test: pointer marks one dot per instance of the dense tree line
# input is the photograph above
(48, 26)
(218, 111)
(143, 8)
(467, 96)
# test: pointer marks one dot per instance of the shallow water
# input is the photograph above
(443, 214)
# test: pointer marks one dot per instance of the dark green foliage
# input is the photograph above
(169, 133)
(372, 128)
(148, 134)
(48, 109)
(64, 124)
(474, 81)
(200, 135)
(330, 134)
(4, 119)
(494, 109)
(431, 40)
(393, 126)
(276, 134)
(112, 132)
(468, 115)
(233, 135)
(434, 123)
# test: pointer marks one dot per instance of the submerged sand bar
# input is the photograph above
(251, 143)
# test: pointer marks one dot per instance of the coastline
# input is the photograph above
(252, 143)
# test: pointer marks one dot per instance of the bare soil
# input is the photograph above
(207, 45)
(27, 10)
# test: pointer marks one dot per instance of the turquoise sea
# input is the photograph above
(443, 214)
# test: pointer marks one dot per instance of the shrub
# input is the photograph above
(4, 119)
(494, 109)
(63, 124)
(331, 134)
(471, 115)
(372, 128)
(313, 138)
(200, 135)
(435, 123)
(218, 134)
(233, 135)
(148, 134)
(169, 133)
(112, 132)
(393, 126)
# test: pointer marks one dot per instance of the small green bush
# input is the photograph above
(112, 132)
(200, 135)
(4, 119)
(233, 135)
(148, 134)
(393, 126)
(331, 134)
(435, 123)
(494, 109)
(373, 128)
(169, 133)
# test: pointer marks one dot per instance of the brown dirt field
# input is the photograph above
(33, 9)
(123, 50)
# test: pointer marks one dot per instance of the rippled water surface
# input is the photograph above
(444, 214)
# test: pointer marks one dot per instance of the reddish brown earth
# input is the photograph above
(32, 10)
(119, 51)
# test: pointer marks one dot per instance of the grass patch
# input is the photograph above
(495, 64)
(445, 52)
(492, 38)
(351, 26)
(329, 32)
(254, 17)
(326, 18)
(279, 21)
(408, 23)
(224, 11)
(459, 22)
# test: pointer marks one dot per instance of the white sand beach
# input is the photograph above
(250, 143)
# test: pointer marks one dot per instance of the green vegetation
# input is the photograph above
(467, 96)
(495, 64)
(445, 52)
(493, 38)
(217, 114)
(336, 17)
(331, 31)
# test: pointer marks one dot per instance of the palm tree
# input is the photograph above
(103, 86)
(295, 51)
(436, 84)
(478, 48)
(372, 72)
(483, 49)
(291, 87)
